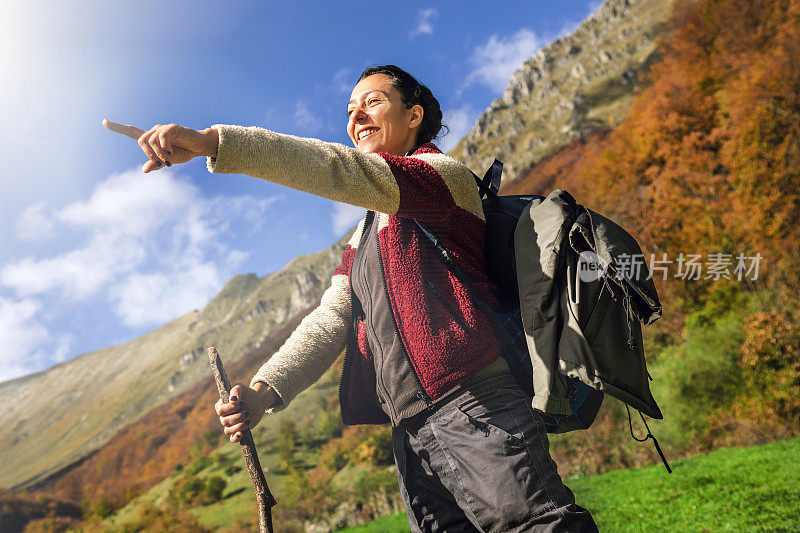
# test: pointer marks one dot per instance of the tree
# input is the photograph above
(288, 437)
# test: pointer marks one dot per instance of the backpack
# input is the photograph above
(581, 401)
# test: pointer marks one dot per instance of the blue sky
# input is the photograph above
(94, 252)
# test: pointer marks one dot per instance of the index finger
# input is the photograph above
(131, 131)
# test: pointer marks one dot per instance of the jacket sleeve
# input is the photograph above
(427, 186)
(317, 341)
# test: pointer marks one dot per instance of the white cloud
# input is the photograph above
(345, 216)
(34, 224)
(343, 80)
(20, 335)
(131, 206)
(459, 121)
(424, 22)
(153, 248)
(62, 351)
(76, 274)
(158, 297)
(309, 121)
(496, 60)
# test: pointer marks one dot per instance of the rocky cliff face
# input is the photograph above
(573, 85)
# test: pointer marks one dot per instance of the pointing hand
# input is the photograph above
(167, 144)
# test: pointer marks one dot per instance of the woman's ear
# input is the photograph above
(415, 117)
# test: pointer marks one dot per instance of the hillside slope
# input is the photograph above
(80, 404)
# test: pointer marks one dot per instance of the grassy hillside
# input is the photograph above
(738, 489)
(238, 503)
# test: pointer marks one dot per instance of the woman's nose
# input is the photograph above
(358, 113)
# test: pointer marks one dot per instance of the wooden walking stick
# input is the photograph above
(264, 497)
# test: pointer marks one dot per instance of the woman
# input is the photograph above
(471, 453)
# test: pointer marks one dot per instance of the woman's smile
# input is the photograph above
(366, 132)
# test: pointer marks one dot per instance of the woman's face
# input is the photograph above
(377, 119)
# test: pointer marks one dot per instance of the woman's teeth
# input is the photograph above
(366, 133)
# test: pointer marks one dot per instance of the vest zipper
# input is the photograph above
(369, 325)
(421, 394)
(346, 367)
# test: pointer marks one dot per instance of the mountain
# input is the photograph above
(64, 413)
(572, 86)
(57, 417)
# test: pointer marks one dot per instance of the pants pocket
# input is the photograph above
(489, 412)
(497, 458)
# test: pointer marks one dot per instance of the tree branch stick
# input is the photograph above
(264, 497)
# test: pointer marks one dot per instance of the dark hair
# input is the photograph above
(412, 93)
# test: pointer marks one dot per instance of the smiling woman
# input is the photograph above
(375, 112)
(385, 100)
(471, 453)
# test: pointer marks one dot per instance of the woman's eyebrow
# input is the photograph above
(372, 91)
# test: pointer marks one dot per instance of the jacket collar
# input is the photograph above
(427, 148)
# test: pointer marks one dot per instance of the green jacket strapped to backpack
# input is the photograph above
(571, 326)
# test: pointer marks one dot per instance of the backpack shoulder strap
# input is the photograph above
(493, 175)
(489, 186)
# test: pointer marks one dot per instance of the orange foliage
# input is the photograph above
(563, 169)
(772, 341)
(708, 160)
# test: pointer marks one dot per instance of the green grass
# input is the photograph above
(395, 523)
(738, 489)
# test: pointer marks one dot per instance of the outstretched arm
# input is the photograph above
(426, 186)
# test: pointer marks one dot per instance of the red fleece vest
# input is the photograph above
(444, 335)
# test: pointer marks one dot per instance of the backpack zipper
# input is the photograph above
(421, 394)
(624, 286)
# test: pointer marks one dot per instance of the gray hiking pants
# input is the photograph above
(481, 462)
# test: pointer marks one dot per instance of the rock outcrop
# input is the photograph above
(573, 85)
